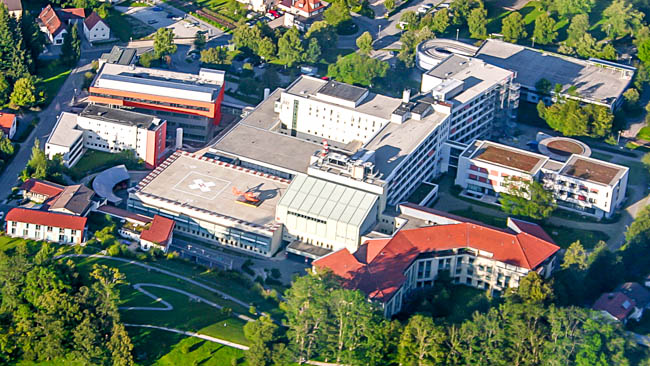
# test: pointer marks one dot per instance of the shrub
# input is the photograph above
(275, 273)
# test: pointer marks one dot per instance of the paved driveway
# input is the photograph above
(158, 19)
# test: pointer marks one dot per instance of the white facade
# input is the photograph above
(99, 32)
(42, 232)
(574, 192)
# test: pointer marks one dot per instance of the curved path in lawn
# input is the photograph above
(166, 306)
(169, 273)
(192, 334)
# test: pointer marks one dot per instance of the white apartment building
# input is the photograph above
(478, 92)
(44, 225)
(388, 269)
(580, 184)
(109, 130)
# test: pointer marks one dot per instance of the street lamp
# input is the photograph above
(457, 30)
(618, 139)
(533, 42)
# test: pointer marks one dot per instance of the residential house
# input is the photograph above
(54, 22)
(303, 8)
(15, 7)
(628, 301)
(43, 225)
(77, 200)
(8, 124)
(95, 28)
(158, 235)
(39, 191)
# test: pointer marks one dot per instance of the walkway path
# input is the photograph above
(168, 306)
(192, 334)
(160, 270)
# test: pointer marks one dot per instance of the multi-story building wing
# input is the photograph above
(480, 94)
(44, 225)
(188, 101)
(581, 184)
(473, 254)
(109, 130)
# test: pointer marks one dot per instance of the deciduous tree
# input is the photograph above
(575, 255)
(527, 198)
(163, 42)
(364, 42)
(358, 69)
(313, 52)
(577, 28)
(71, 48)
(290, 48)
(544, 32)
(421, 342)
(620, 19)
(513, 27)
(477, 23)
(337, 13)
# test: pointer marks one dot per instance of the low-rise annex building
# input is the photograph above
(95, 28)
(43, 225)
(213, 202)
(430, 242)
(581, 184)
(108, 130)
(8, 124)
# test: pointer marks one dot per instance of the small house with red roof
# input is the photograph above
(54, 22)
(95, 28)
(303, 8)
(628, 301)
(44, 225)
(474, 254)
(159, 234)
(8, 124)
(39, 191)
(15, 7)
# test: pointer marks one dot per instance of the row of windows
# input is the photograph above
(306, 217)
(149, 101)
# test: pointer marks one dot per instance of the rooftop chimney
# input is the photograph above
(406, 95)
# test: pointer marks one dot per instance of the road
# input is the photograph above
(48, 118)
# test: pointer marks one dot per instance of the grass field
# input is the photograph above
(644, 133)
(52, 74)
(94, 160)
(158, 348)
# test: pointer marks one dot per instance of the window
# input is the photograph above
(38, 227)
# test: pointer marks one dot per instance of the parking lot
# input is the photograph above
(160, 18)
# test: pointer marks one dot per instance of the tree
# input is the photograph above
(543, 86)
(608, 52)
(572, 119)
(337, 13)
(33, 37)
(120, 346)
(350, 313)
(325, 34)
(421, 342)
(410, 19)
(4, 90)
(544, 32)
(281, 355)
(527, 198)
(25, 94)
(357, 69)
(578, 28)
(313, 52)
(587, 46)
(631, 98)
(462, 9)
(532, 289)
(477, 23)
(644, 51)
(290, 48)
(163, 42)
(71, 48)
(620, 19)
(147, 58)
(513, 27)
(389, 4)
(410, 41)
(259, 333)
(246, 37)
(266, 48)
(567, 8)
(199, 40)
(440, 21)
(575, 255)
(364, 42)
(215, 55)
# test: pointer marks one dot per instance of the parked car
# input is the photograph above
(177, 17)
(157, 8)
(152, 21)
(274, 13)
(422, 10)
(308, 70)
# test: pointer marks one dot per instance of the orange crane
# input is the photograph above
(248, 195)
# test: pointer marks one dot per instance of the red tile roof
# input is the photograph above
(378, 267)
(160, 230)
(72, 13)
(308, 6)
(92, 20)
(51, 20)
(123, 214)
(46, 218)
(42, 187)
(616, 304)
(6, 121)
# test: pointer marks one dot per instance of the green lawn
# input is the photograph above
(644, 133)
(94, 161)
(52, 75)
(159, 348)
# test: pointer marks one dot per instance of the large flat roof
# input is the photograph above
(593, 170)
(327, 201)
(601, 82)
(121, 116)
(254, 138)
(162, 83)
(65, 132)
(477, 75)
(342, 91)
(185, 181)
(508, 157)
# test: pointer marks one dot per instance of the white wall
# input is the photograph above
(25, 230)
(99, 32)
